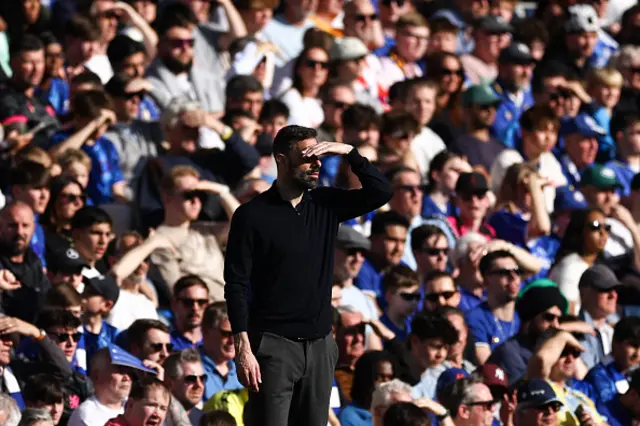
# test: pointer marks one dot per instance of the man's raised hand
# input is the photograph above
(327, 148)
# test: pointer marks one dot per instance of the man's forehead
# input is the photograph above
(306, 143)
(192, 368)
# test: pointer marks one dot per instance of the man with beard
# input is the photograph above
(218, 351)
(281, 245)
(16, 230)
(190, 299)
(496, 320)
(186, 379)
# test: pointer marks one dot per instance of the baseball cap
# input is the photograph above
(349, 238)
(602, 177)
(583, 124)
(448, 377)
(494, 24)
(582, 18)
(104, 286)
(123, 358)
(449, 16)
(493, 375)
(471, 183)
(68, 261)
(516, 53)
(568, 198)
(535, 393)
(599, 277)
(348, 48)
(479, 94)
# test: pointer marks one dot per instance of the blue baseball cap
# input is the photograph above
(447, 377)
(536, 393)
(123, 358)
(450, 16)
(583, 124)
(568, 198)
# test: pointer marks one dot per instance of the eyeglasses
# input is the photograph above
(312, 63)
(108, 14)
(570, 351)
(181, 42)
(553, 406)
(549, 317)
(225, 334)
(193, 194)
(433, 251)
(398, 3)
(64, 337)
(468, 197)
(418, 37)
(73, 198)
(187, 302)
(410, 297)
(364, 18)
(157, 347)
(354, 252)
(506, 272)
(487, 405)
(354, 329)
(339, 105)
(410, 188)
(435, 297)
(192, 379)
(449, 71)
(634, 70)
(597, 226)
(139, 95)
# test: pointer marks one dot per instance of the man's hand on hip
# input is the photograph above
(327, 148)
(247, 364)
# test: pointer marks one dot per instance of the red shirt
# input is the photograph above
(118, 421)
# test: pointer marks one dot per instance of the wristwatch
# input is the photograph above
(228, 132)
(42, 335)
(443, 416)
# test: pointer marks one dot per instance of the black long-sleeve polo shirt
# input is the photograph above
(285, 255)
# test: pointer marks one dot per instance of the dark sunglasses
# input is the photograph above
(354, 251)
(64, 337)
(141, 94)
(192, 379)
(73, 198)
(549, 317)
(435, 297)
(410, 297)
(487, 405)
(432, 251)
(506, 273)
(339, 105)
(193, 194)
(570, 351)
(109, 14)
(634, 70)
(312, 63)
(398, 3)
(354, 329)
(157, 347)
(597, 226)
(560, 93)
(225, 334)
(190, 302)
(469, 197)
(554, 406)
(410, 188)
(181, 42)
(363, 18)
(449, 71)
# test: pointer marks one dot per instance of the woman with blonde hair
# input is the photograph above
(605, 87)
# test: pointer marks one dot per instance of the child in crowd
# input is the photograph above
(401, 288)
(76, 164)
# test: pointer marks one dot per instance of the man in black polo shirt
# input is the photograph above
(281, 245)
(20, 109)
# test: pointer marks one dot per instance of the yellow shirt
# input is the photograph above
(571, 399)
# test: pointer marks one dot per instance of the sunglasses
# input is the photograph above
(411, 188)
(187, 302)
(353, 330)
(339, 105)
(432, 251)
(410, 297)
(597, 226)
(139, 95)
(64, 337)
(570, 351)
(634, 70)
(109, 14)
(388, 3)
(435, 297)
(554, 406)
(549, 317)
(506, 273)
(181, 42)
(157, 347)
(469, 197)
(487, 405)
(225, 334)
(363, 18)
(354, 252)
(449, 71)
(312, 63)
(192, 379)
(193, 194)
(73, 198)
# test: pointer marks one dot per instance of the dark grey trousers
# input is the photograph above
(296, 381)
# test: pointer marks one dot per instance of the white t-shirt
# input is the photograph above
(426, 145)
(92, 413)
(100, 65)
(303, 111)
(567, 275)
(353, 296)
(130, 307)
(620, 240)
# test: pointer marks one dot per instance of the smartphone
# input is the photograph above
(579, 411)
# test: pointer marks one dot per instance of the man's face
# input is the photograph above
(184, 200)
(542, 139)
(347, 263)
(481, 406)
(149, 411)
(407, 194)
(157, 346)
(361, 21)
(339, 99)
(546, 415)
(256, 19)
(107, 19)
(600, 302)
(473, 8)
(134, 65)
(565, 367)
(422, 104)
(177, 50)
(273, 125)
(442, 42)
(581, 45)
(200, 8)
(56, 410)
(390, 245)
(369, 136)
(36, 198)
(5, 349)
(626, 354)
(129, 104)
(546, 320)
(503, 280)
(412, 42)
(441, 292)
(29, 67)
(66, 339)
(221, 338)
(391, 10)
(457, 349)
(16, 229)
(519, 75)
(473, 206)
(351, 337)
(250, 102)
(605, 199)
(487, 44)
(117, 381)
(434, 351)
(483, 116)
(92, 242)
(433, 254)
(304, 171)
(190, 387)
(632, 138)
(404, 301)
(582, 150)
(189, 307)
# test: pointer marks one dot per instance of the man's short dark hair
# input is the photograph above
(530, 30)
(537, 117)
(486, 263)
(273, 108)
(621, 121)
(89, 104)
(27, 43)
(175, 15)
(289, 136)
(627, 329)
(42, 389)
(399, 123)
(405, 414)
(121, 47)
(547, 70)
(173, 364)
(240, 85)
(426, 326)
(88, 216)
(422, 233)
(30, 174)
(217, 418)
(137, 331)
(141, 388)
(57, 317)
(188, 281)
(458, 393)
(80, 27)
(214, 315)
(360, 117)
(87, 77)
(398, 91)
(398, 277)
(436, 275)
(380, 222)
